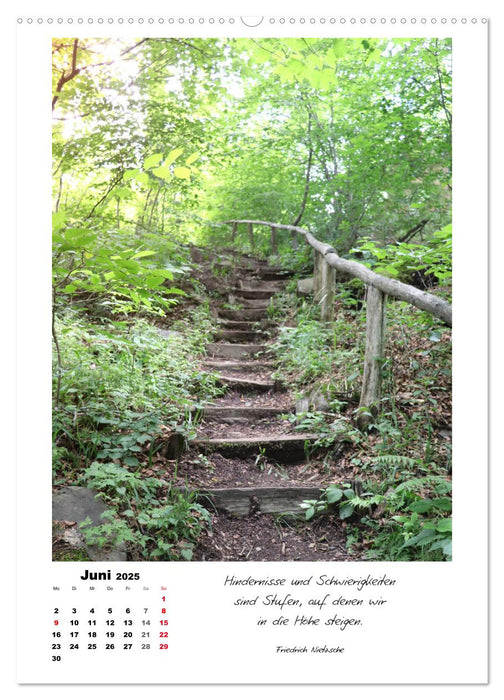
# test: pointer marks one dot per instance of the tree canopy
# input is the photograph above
(351, 137)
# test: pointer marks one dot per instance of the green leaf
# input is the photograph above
(444, 525)
(182, 173)
(186, 554)
(423, 506)
(192, 158)
(75, 239)
(142, 178)
(334, 494)
(424, 537)
(175, 290)
(153, 160)
(143, 254)
(58, 219)
(339, 48)
(442, 503)
(310, 513)
(131, 461)
(154, 281)
(346, 510)
(172, 156)
(163, 172)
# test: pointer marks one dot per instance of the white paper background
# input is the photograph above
(443, 606)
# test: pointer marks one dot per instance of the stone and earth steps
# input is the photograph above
(244, 428)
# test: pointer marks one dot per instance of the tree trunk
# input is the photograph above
(373, 361)
(60, 189)
(251, 235)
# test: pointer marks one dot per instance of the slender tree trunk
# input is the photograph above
(163, 198)
(298, 218)
(153, 207)
(140, 221)
(60, 188)
(58, 351)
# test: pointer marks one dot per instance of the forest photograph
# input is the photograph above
(251, 299)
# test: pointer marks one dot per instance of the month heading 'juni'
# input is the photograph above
(107, 576)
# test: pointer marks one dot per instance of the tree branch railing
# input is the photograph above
(326, 262)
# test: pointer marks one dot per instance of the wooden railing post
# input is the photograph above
(327, 293)
(234, 231)
(317, 275)
(274, 247)
(295, 242)
(324, 277)
(251, 235)
(373, 361)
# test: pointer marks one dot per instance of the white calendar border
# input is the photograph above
(480, 428)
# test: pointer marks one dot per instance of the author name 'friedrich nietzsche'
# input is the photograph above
(314, 650)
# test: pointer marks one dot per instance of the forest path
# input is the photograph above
(249, 463)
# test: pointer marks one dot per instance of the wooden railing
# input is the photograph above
(378, 287)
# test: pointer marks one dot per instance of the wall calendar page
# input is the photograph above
(251, 459)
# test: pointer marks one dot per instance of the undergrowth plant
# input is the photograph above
(396, 520)
(402, 511)
(145, 514)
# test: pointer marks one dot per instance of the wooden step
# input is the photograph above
(241, 325)
(255, 283)
(287, 448)
(235, 351)
(274, 274)
(239, 336)
(250, 384)
(241, 314)
(250, 413)
(249, 303)
(255, 499)
(258, 293)
(244, 366)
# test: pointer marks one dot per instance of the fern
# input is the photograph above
(395, 461)
(438, 483)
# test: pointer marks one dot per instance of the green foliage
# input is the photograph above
(309, 351)
(137, 519)
(411, 262)
(89, 264)
(344, 496)
(411, 525)
(120, 382)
